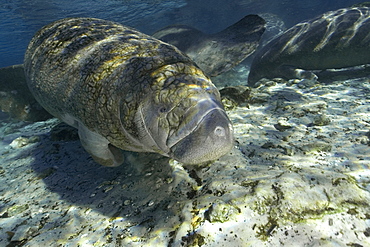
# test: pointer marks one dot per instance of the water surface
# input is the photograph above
(20, 19)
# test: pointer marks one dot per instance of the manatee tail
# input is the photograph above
(236, 43)
(219, 52)
(248, 29)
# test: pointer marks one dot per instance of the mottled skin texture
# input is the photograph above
(126, 90)
(333, 40)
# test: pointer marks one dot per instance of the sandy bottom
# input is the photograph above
(298, 176)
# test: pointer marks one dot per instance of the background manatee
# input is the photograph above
(15, 97)
(126, 90)
(219, 52)
(336, 39)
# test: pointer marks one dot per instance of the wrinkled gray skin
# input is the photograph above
(219, 52)
(333, 40)
(125, 90)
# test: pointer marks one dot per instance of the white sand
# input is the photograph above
(307, 185)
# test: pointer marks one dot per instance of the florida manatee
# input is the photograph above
(15, 97)
(333, 40)
(126, 90)
(219, 52)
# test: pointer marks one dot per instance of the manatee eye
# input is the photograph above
(163, 109)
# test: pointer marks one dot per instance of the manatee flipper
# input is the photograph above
(305, 74)
(219, 52)
(294, 72)
(99, 147)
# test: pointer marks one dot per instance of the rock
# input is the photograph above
(234, 96)
(282, 125)
(321, 120)
(220, 211)
(24, 141)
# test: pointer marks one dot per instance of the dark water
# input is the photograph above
(20, 19)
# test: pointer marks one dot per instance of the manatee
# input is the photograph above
(333, 40)
(16, 100)
(219, 52)
(124, 90)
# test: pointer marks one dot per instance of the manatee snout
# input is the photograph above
(211, 138)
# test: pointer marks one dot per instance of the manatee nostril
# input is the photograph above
(219, 131)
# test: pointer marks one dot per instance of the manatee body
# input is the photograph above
(16, 99)
(126, 90)
(333, 40)
(219, 52)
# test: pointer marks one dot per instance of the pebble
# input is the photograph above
(321, 120)
(282, 125)
(24, 141)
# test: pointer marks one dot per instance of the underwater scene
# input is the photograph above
(184, 123)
